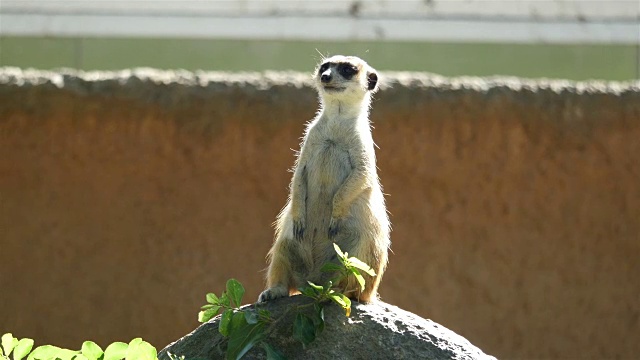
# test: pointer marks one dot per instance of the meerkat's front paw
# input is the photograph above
(273, 293)
(334, 227)
(298, 229)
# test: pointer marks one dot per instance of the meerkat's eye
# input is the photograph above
(323, 68)
(347, 70)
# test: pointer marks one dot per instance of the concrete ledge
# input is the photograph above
(202, 82)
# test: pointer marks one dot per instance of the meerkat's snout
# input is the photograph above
(325, 77)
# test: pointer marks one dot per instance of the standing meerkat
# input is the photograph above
(335, 194)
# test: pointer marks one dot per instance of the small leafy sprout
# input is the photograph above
(136, 349)
(245, 328)
(303, 329)
(233, 293)
(350, 266)
(308, 325)
(248, 327)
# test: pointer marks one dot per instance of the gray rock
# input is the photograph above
(374, 331)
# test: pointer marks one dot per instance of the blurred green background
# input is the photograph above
(575, 62)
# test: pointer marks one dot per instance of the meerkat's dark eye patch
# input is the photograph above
(323, 68)
(347, 70)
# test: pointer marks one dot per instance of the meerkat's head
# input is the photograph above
(347, 78)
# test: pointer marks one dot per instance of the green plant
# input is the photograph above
(244, 328)
(248, 327)
(308, 326)
(137, 349)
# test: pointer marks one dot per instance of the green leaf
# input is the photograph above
(331, 267)
(224, 299)
(343, 301)
(91, 350)
(8, 343)
(141, 350)
(66, 354)
(251, 316)
(235, 290)
(225, 320)
(206, 315)
(44, 352)
(272, 354)
(79, 357)
(213, 299)
(308, 291)
(116, 351)
(341, 255)
(237, 321)
(132, 349)
(314, 286)
(52, 352)
(318, 320)
(149, 349)
(22, 349)
(359, 264)
(338, 299)
(134, 344)
(243, 339)
(303, 329)
(327, 287)
(359, 277)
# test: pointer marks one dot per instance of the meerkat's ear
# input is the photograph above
(372, 81)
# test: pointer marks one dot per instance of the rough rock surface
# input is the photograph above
(373, 331)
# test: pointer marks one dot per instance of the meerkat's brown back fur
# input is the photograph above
(335, 194)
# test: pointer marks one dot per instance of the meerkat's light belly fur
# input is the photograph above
(327, 167)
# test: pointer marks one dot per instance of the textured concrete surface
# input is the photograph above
(372, 331)
(125, 197)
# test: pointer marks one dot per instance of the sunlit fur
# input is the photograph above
(335, 186)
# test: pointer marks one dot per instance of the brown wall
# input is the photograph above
(515, 206)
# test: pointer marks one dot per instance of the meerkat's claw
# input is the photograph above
(298, 229)
(334, 227)
(273, 293)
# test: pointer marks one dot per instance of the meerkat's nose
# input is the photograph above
(326, 76)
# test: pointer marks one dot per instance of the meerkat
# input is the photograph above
(335, 193)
